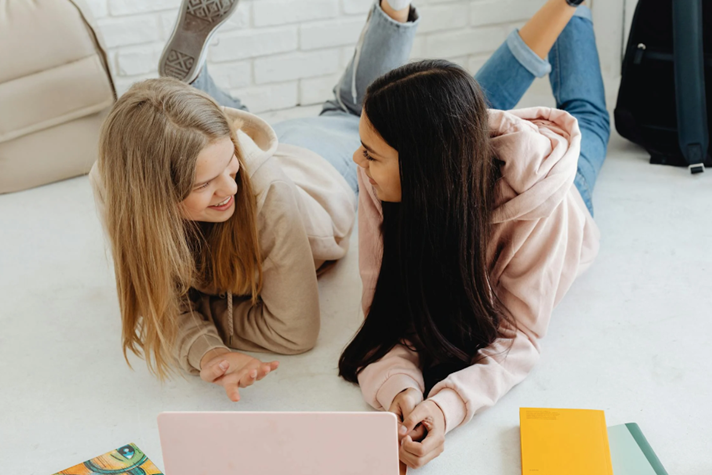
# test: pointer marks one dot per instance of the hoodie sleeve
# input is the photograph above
(537, 269)
(286, 317)
(196, 336)
(399, 369)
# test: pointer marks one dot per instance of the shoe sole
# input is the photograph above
(185, 51)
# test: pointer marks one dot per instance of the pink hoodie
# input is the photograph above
(544, 237)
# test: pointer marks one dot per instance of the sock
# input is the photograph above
(398, 4)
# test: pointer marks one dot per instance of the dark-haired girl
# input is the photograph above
(473, 222)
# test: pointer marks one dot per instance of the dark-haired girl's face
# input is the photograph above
(379, 161)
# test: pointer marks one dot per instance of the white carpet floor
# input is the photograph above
(631, 337)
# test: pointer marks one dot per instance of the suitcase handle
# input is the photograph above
(690, 95)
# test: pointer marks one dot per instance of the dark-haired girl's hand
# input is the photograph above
(416, 454)
(402, 405)
(233, 370)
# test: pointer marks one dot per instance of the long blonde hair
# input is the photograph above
(148, 151)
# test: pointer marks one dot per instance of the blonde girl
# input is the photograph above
(218, 224)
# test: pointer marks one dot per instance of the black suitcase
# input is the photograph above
(662, 103)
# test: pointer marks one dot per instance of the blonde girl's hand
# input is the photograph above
(430, 416)
(402, 405)
(233, 370)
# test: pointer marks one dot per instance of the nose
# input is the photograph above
(359, 159)
(228, 186)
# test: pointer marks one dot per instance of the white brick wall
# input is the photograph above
(280, 54)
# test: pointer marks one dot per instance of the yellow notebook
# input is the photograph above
(564, 442)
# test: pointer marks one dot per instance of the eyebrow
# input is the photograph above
(370, 149)
(207, 181)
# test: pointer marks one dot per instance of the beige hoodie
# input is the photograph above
(544, 237)
(305, 215)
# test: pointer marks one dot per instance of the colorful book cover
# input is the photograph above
(564, 442)
(631, 453)
(126, 460)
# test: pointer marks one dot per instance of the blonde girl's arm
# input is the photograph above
(196, 337)
(286, 317)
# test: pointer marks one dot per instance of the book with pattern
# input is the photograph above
(126, 460)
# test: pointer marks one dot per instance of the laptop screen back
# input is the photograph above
(279, 443)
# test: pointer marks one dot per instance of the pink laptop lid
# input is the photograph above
(279, 443)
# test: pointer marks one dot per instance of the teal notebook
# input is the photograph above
(631, 453)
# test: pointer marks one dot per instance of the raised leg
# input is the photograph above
(577, 85)
(509, 72)
(574, 72)
(205, 83)
(184, 53)
(385, 44)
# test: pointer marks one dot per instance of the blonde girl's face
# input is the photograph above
(212, 198)
(379, 161)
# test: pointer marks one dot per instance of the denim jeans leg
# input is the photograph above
(384, 45)
(577, 85)
(205, 83)
(509, 72)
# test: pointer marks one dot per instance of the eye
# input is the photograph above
(367, 156)
(126, 451)
(204, 185)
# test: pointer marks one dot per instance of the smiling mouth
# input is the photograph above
(223, 203)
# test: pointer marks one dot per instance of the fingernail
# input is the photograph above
(223, 365)
(402, 430)
(253, 373)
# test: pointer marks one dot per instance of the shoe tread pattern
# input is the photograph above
(178, 65)
(209, 10)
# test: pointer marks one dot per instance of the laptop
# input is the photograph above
(279, 443)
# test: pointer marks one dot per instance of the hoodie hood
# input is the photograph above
(539, 149)
(256, 138)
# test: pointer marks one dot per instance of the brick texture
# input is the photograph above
(282, 54)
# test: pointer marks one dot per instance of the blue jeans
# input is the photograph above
(384, 45)
(575, 77)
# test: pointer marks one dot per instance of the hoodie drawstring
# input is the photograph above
(230, 319)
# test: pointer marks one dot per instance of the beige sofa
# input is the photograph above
(55, 90)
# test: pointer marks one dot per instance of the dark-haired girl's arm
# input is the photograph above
(531, 277)
(398, 370)
(381, 381)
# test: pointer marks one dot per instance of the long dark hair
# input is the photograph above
(433, 289)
